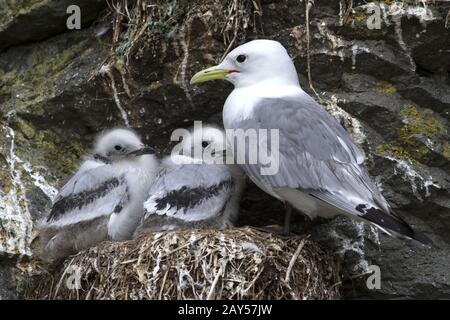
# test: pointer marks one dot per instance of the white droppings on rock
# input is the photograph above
(385, 15)
(358, 247)
(341, 14)
(15, 221)
(106, 70)
(354, 244)
(336, 46)
(183, 66)
(353, 125)
(394, 13)
(410, 175)
(422, 12)
(39, 181)
(399, 33)
(355, 50)
(429, 183)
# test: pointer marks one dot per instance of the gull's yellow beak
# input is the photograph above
(212, 73)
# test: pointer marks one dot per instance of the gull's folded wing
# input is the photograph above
(317, 157)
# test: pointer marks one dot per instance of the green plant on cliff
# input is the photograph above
(136, 25)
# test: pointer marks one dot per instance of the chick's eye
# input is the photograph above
(118, 148)
(241, 58)
(204, 144)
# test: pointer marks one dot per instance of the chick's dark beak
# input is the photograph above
(142, 151)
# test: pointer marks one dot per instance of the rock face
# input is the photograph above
(34, 20)
(389, 86)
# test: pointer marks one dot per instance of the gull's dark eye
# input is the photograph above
(118, 148)
(241, 58)
(204, 144)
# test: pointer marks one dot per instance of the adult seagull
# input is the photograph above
(104, 199)
(321, 171)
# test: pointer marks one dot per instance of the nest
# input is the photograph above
(195, 264)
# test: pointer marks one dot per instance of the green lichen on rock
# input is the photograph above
(29, 88)
(385, 88)
(418, 125)
(24, 127)
(58, 154)
(446, 149)
(11, 8)
(47, 149)
(5, 180)
(42, 67)
(420, 122)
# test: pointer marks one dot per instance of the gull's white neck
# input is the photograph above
(242, 100)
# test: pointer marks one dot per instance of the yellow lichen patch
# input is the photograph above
(155, 85)
(360, 17)
(388, 2)
(52, 152)
(42, 67)
(385, 88)
(5, 181)
(24, 127)
(417, 124)
(446, 149)
(3, 234)
(420, 122)
(21, 6)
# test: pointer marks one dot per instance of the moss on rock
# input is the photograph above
(418, 124)
(60, 155)
(446, 149)
(385, 88)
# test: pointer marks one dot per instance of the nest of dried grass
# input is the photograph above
(195, 264)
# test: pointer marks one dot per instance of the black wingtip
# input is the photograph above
(423, 239)
(392, 223)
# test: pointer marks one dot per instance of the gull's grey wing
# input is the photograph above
(190, 192)
(315, 151)
(90, 193)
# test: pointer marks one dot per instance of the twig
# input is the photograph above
(213, 285)
(235, 31)
(308, 4)
(61, 279)
(106, 69)
(163, 284)
(447, 19)
(293, 260)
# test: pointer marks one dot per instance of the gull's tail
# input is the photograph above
(392, 224)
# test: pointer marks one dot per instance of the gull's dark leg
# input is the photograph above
(287, 218)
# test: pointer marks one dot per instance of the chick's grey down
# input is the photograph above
(103, 200)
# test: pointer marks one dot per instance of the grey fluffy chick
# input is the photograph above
(103, 200)
(196, 191)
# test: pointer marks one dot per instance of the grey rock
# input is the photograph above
(8, 286)
(26, 21)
